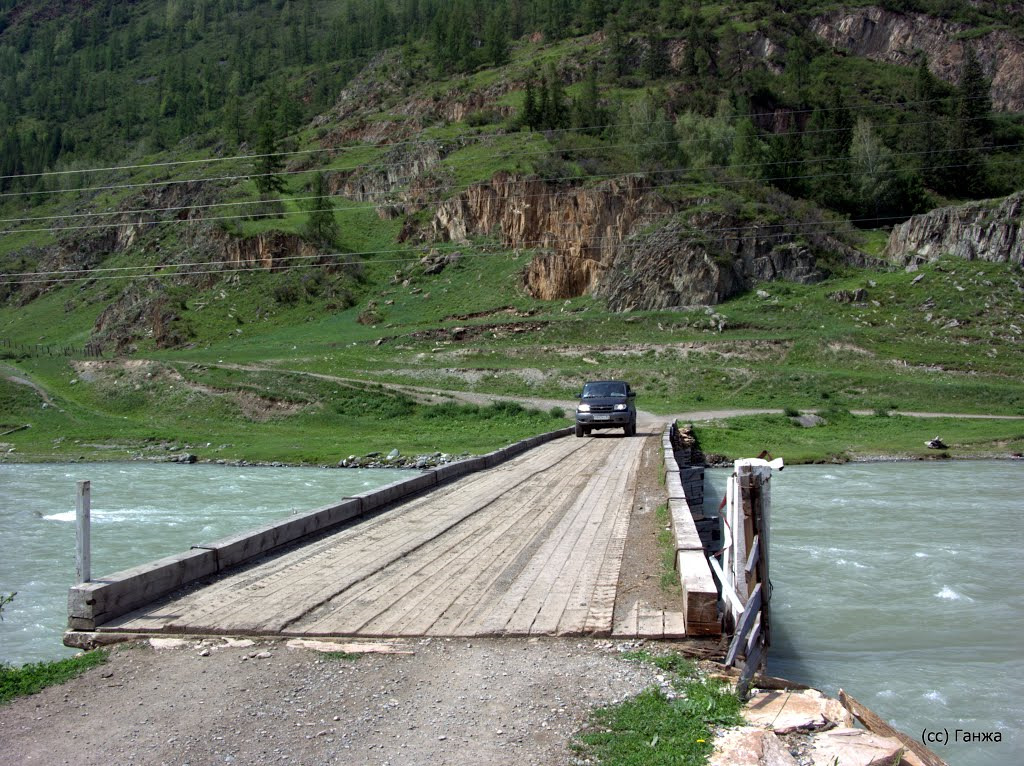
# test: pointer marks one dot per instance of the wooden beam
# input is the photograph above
(875, 723)
(744, 625)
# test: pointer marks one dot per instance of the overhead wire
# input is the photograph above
(380, 167)
(410, 142)
(457, 188)
(543, 244)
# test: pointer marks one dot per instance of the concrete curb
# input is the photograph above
(94, 603)
(700, 594)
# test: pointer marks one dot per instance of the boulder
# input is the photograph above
(750, 746)
(787, 711)
(855, 747)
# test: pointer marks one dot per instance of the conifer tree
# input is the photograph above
(531, 112)
(268, 162)
(655, 58)
(321, 223)
(971, 129)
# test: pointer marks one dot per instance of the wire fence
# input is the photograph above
(15, 348)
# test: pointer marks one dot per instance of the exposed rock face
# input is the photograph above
(703, 261)
(399, 169)
(897, 38)
(988, 231)
(264, 251)
(580, 227)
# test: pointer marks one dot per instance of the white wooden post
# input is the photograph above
(82, 543)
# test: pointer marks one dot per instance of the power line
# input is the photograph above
(405, 179)
(161, 270)
(452, 189)
(412, 142)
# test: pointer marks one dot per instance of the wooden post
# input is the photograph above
(82, 543)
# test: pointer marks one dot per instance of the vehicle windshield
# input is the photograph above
(600, 390)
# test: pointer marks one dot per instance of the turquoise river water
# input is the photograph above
(140, 512)
(901, 583)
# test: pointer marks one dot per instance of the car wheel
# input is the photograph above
(580, 430)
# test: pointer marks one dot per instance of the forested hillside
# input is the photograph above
(95, 82)
(243, 207)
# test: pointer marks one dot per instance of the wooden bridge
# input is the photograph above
(531, 546)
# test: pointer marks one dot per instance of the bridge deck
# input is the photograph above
(531, 547)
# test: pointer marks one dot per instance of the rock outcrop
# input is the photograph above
(704, 259)
(990, 230)
(898, 38)
(270, 250)
(396, 174)
(580, 228)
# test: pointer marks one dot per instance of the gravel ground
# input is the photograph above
(446, 701)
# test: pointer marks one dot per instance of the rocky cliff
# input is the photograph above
(990, 230)
(898, 38)
(622, 241)
(577, 228)
(704, 258)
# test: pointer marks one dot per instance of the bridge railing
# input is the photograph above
(742, 565)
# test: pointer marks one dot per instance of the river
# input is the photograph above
(140, 512)
(901, 583)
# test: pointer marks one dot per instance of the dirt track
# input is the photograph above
(507, 701)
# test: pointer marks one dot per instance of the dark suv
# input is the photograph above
(606, 404)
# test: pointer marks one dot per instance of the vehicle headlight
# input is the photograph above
(583, 408)
(621, 407)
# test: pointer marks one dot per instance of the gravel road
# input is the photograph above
(444, 701)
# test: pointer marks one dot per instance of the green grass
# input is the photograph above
(36, 676)
(844, 437)
(230, 414)
(668, 577)
(653, 729)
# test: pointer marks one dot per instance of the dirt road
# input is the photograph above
(495, 702)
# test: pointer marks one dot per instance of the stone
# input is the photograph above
(750, 746)
(787, 711)
(854, 747)
(986, 231)
(168, 643)
(809, 420)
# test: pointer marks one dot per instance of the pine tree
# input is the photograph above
(971, 129)
(496, 36)
(749, 153)
(587, 112)
(615, 58)
(269, 162)
(531, 113)
(655, 59)
(321, 223)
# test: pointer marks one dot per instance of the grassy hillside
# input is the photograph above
(141, 226)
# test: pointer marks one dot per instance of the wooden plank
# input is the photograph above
(752, 559)
(650, 623)
(744, 624)
(675, 625)
(750, 666)
(627, 626)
